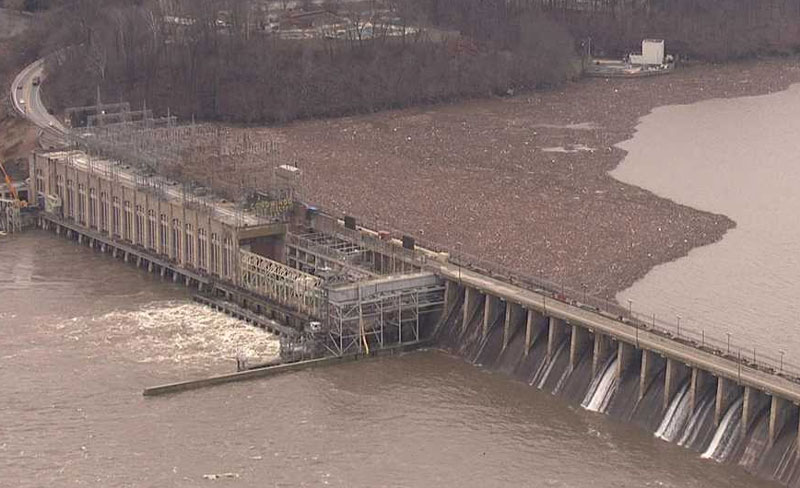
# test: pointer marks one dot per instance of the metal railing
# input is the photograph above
(745, 356)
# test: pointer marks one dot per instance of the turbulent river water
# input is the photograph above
(82, 334)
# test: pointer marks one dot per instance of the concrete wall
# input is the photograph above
(191, 237)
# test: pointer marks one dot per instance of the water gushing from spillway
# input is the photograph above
(602, 388)
(547, 367)
(676, 416)
(727, 433)
(692, 430)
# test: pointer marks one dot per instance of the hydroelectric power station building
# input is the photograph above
(317, 281)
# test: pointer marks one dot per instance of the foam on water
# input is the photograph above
(602, 388)
(174, 331)
(695, 423)
(676, 416)
(726, 434)
(548, 367)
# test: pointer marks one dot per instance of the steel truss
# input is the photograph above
(10, 220)
(287, 286)
(313, 254)
(381, 319)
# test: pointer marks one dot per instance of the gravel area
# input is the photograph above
(522, 181)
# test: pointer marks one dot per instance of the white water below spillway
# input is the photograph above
(561, 381)
(602, 389)
(547, 367)
(727, 433)
(676, 416)
(695, 423)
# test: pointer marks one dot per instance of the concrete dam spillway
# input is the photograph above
(333, 288)
(718, 419)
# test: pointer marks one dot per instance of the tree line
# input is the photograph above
(230, 71)
(201, 66)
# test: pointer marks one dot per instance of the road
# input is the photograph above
(665, 346)
(28, 102)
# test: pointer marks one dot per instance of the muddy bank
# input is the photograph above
(523, 181)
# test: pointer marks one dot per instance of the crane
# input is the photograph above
(12, 188)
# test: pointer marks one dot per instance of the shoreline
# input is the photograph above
(523, 181)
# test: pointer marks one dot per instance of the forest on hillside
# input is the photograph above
(212, 67)
(224, 60)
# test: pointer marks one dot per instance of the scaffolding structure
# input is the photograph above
(380, 313)
(10, 220)
(329, 257)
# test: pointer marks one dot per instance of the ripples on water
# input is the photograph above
(75, 356)
(178, 332)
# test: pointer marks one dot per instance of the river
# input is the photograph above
(83, 334)
(736, 157)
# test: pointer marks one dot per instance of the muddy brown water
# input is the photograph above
(737, 157)
(82, 334)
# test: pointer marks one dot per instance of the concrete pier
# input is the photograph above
(676, 373)
(515, 315)
(489, 313)
(534, 327)
(699, 382)
(780, 412)
(753, 402)
(625, 358)
(556, 332)
(652, 363)
(579, 344)
(727, 392)
(472, 298)
(601, 352)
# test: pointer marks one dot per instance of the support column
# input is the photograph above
(651, 363)
(625, 356)
(533, 328)
(602, 349)
(726, 392)
(513, 312)
(778, 414)
(578, 344)
(674, 375)
(698, 383)
(469, 304)
(555, 335)
(450, 296)
(489, 311)
(150, 267)
(752, 403)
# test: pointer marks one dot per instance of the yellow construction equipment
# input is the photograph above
(12, 188)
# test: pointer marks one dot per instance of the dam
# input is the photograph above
(331, 287)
